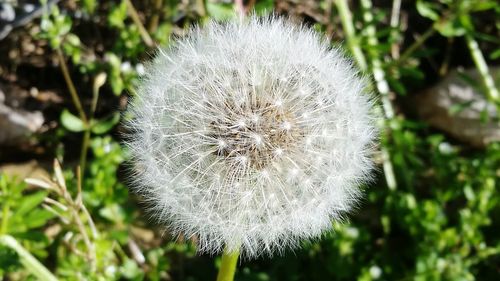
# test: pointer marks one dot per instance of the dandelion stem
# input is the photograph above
(228, 265)
(482, 67)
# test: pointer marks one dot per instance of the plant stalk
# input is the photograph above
(71, 87)
(29, 261)
(155, 18)
(137, 21)
(350, 34)
(84, 149)
(378, 73)
(5, 218)
(394, 22)
(228, 266)
(382, 88)
(482, 67)
(79, 108)
(409, 51)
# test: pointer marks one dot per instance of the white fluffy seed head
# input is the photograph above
(253, 134)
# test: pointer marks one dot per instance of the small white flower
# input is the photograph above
(375, 272)
(140, 69)
(126, 66)
(253, 134)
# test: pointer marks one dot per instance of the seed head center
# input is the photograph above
(259, 133)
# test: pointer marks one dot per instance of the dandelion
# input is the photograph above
(251, 136)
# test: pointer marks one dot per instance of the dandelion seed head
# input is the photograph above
(253, 134)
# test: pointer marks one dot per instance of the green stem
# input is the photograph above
(79, 108)
(85, 148)
(71, 86)
(228, 266)
(378, 73)
(29, 261)
(394, 22)
(5, 218)
(137, 21)
(482, 67)
(98, 82)
(350, 34)
(155, 18)
(413, 47)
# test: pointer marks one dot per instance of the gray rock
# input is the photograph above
(7, 12)
(17, 125)
(467, 122)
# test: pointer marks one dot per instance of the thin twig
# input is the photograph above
(71, 87)
(81, 227)
(394, 22)
(82, 207)
(155, 18)
(99, 80)
(74, 207)
(137, 21)
(85, 147)
(443, 69)
(414, 46)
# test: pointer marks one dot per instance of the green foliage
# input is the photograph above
(441, 223)
(22, 218)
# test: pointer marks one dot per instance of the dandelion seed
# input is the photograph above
(252, 135)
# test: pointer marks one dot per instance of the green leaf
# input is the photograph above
(89, 6)
(397, 86)
(131, 270)
(29, 202)
(73, 40)
(118, 15)
(104, 125)
(264, 7)
(426, 11)
(466, 22)
(451, 28)
(38, 218)
(71, 122)
(33, 235)
(412, 72)
(480, 6)
(220, 11)
(114, 213)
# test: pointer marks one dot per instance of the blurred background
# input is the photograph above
(68, 68)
